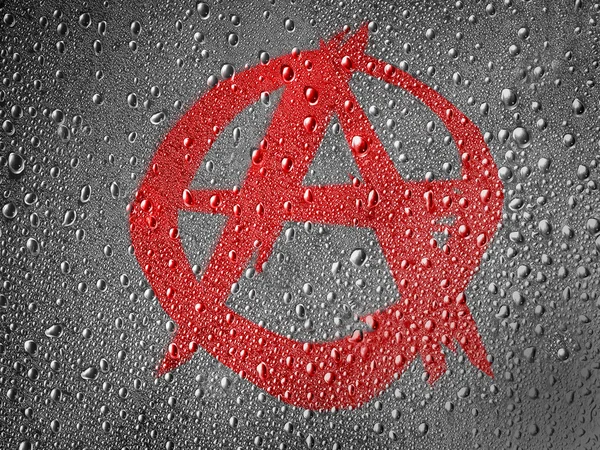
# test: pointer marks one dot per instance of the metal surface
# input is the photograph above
(89, 93)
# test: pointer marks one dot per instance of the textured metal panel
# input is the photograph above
(89, 91)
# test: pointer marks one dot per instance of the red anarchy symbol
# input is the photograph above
(432, 308)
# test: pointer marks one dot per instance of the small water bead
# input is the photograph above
(307, 289)
(505, 173)
(225, 383)
(16, 163)
(227, 71)
(593, 225)
(203, 10)
(8, 127)
(287, 164)
(115, 190)
(522, 137)
(9, 210)
(212, 81)
(31, 347)
(64, 133)
(33, 246)
(312, 95)
(568, 140)
(132, 100)
(86, 193)
(544, 164)
(232, 39)
(54, 331)
(509, 98)
(91, 373)
(300, 311)
(563, 354)
(289, 25)
(135, 28)
(58, 116)
(287, 73)
(264, 57)
(523, 33)
(359, 145)
(157, 118)
(62, 29)
(545, 227)
(514, 50)
(578, 107)
(69, 218)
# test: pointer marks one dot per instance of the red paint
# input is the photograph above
(432, 308)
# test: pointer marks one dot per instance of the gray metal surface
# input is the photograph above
(88, 92)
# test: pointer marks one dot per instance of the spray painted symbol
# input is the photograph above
(432, 309)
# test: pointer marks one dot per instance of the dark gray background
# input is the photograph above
(82, 332)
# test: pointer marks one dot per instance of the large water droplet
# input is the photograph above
(358, 257)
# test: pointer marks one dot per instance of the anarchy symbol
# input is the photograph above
(431, 311)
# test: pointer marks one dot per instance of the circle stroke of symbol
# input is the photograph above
(431, 280)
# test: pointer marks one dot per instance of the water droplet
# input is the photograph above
(9, 210)
(227, 71)
(33, 246)
(54, 331)
(85, 20)
(521, 137)
(31, 347)
(311, 95)
(115, 190)
(509, 98)
(287, 73)
(233, 39)
(203, 10)
(132, 100)
(593, 226)
(359, 145)
(16, 163)
(86, 193)
(64, 133)
(578, 107)
(569, 140)
(289, 25)
(69, 218)
(136, 28)
(157, 118)
(91, 373)
(563, 354)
